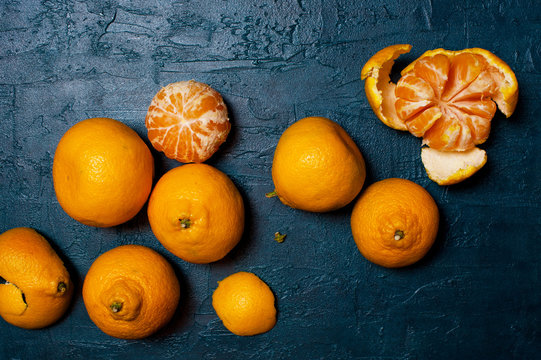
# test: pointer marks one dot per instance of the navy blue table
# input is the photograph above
(475, 295)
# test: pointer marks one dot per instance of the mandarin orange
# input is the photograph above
(447, 97)
(102, 172)
(197, 213)
(188, 121)
(38, 289)
(130, 292)
(245, 304)
(317, 166)
(394, 222)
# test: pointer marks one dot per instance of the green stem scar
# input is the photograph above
(399, 235)
(279, 237)
(62, 287)
(271, 194)
(116, 307)
(185, 223)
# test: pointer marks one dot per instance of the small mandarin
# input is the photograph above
(130, 292)
(394, 222)
(188, 121)
(102, 172)
(317, 167)
(245, 304)
(38, 289)
(197, 213)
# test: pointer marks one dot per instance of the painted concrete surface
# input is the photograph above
(475, 295)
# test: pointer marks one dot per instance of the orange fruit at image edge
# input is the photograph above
(102, 172)
(245, 304)
(188, 121)
(394, 222)
(197, 213)
(130, 292)
(38, 289)
(317, 166)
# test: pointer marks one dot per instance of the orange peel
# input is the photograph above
(378, 86)
(451, 167)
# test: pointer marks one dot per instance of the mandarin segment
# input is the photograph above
(188, 121)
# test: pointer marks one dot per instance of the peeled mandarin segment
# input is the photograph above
(481, 125)
(465, 68)
(444, 134)
(413, 88)
(11, 300)
(434, 70)
(420, 123)
(447, 168)
(482, 87)
(406, 109)
(188, 121)
(506, 95)
(483, 108)
(378, 86)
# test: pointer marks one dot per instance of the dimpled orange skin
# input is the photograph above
(317, 167)
(33, 270)
(394, 222)
(102, 172)
(197, 213)
(245, 304)
(130, 292)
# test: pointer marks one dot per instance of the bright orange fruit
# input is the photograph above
(102, 172)
(245, 304)
(197, 213)
(394, 222)
(447, 97)
(38, 289)
(130, 292)
(188, 121)
(317, 166)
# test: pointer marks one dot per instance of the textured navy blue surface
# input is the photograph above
(476, 295)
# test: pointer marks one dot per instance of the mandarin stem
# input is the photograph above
(116, 307)
(185, 223)
(62, 287)
(279, 237)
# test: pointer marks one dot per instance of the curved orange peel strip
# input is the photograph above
(378, 86)
(451, 167)
(11, 300)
